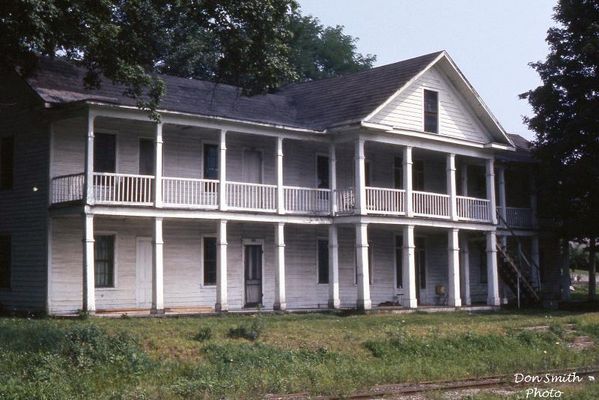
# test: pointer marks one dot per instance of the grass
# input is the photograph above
(235, 356)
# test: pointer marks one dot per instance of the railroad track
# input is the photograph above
(498, 381)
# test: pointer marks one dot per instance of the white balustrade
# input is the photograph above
(518, 217)
(427, 204)
(306, 200)
(112, 188)
(67, 188)
(473, 209)
(385, 201)
(251, 196)
(192, 193)
(346, 201)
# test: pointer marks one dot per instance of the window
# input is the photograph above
(146, 157)
(367, 172)
(7, 160)
(209, 260)
(431, 111)
(323, 261)
(418, 175)
(104, 261)
(5, 261)
(104, 152)
(398, 262)
(420, 258)
(210, 161)
(322, 172)
(398, 172)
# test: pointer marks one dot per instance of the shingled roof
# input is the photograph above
(315, 105)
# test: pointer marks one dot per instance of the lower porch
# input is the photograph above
(267, 266)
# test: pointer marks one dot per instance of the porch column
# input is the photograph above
(280, 299)
(490, 172)
(334, 301)
(222, 171)
(407, 180)
(535, 258)
(362, 266)
(158, 269)
(409, 267)
(222, 303)
(533, 200)
(501, 189)
(492, 275)
(360, 177)
(333, 177)
(89, 284)
(89, 161)
(452, 188)
(158, 167)
(465, 273)
(280, 193)
(453, 251)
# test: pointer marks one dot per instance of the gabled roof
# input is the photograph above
(315, 105)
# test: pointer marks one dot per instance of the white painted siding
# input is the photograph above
(456, 119)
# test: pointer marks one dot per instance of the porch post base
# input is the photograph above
(335, 304)
(157, 311)
(280, 306)
(493, 301)
(365, 304)
(467, 301)
(221, 307)
(411, 303)
(454, 302)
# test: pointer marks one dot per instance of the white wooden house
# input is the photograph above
(386, 187)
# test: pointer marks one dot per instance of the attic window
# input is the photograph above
(431, 111)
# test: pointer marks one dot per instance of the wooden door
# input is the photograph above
(252, 166)
(253, 274)
(143, 273)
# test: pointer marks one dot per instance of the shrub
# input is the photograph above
(251, 331)
(205, 333)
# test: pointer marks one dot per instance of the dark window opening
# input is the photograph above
(398, 262)
(105, 153)
(146, 157)
(323, 261)
(5, 261)
(209, 261)
(7, 160)
(420, 258)
(322, 172)
(104, 261)
(398, 172)
(418, 175)
(210, 161)
(431, 111)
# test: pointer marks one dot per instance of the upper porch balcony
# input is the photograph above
(205, 169)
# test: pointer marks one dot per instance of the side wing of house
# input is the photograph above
(24, 160)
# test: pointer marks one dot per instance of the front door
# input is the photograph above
(143, 281)
(253, 274)
(252, 166)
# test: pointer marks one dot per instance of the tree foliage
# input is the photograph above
(566, 120)
(258, 45)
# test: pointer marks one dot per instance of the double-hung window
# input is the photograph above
(431, 111)
(104, 261)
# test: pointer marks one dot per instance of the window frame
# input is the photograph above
(116, 149)
(202, 260)
(203, 161)
(10, 262)
(150, 139)
(425, 112)
(114, 259)
(11, 180)
(318, 240)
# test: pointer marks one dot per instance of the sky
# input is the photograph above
(491, 41)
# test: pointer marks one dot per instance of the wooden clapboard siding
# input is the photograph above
(68, 146)
(382, 288)
(478, 290)
(299, 162)
(436, 266)
(456, 119)
(23, 210)
(66, 265)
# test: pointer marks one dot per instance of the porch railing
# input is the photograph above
(186, 192)
(473, 209)
(428, 204)
(112, 188)
(251, 196)
(518, 217)
(67, 188)
(346, 201)
(385, 201)
(306, 200)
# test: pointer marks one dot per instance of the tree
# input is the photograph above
(566, 123)
(258, 45)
